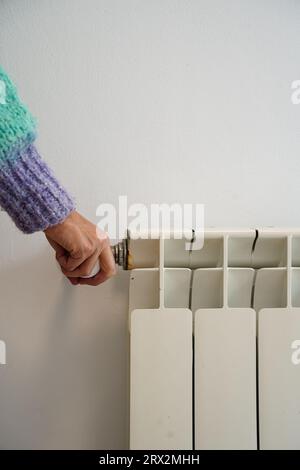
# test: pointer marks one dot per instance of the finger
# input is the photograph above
(59, 250)
(94, 281)
(107, 269)
(61, 254)
(85, 268)
(107, 261)
(70, 263)
(73, 280)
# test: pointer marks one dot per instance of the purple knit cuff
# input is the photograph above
(30, 194)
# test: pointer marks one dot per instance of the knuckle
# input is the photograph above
(89, 248)
(79, 252)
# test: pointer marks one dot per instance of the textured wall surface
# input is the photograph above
(159, 100)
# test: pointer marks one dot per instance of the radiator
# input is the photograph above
(215, 342)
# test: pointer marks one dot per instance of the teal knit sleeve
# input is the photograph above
(17, 126)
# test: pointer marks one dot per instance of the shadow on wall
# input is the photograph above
(65, 348)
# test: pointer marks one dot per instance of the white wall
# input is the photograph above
(160, 100)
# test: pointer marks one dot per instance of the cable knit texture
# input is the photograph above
(29, 192)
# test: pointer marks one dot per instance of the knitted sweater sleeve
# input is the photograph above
(29, 192)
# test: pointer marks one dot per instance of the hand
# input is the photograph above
(78, 244)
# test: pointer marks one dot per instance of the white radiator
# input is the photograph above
(215, 342)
